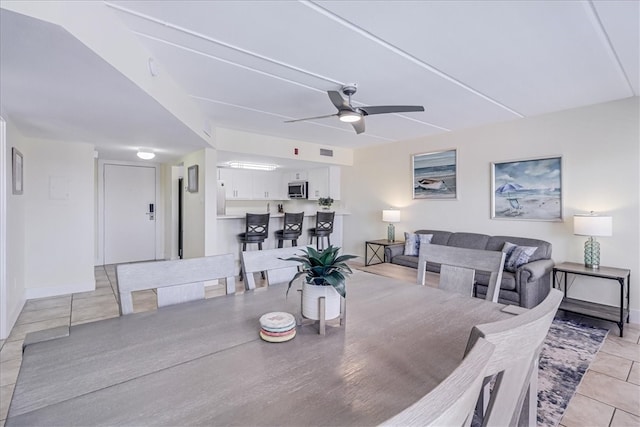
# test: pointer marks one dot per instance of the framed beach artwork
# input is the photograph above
(17, 174)
(435, 175)
(192, 179)
(527, 189)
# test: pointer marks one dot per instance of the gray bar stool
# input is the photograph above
(292, 228)
(256, 231)
(323, 228)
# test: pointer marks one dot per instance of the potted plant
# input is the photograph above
(325, 274)
(325, 202)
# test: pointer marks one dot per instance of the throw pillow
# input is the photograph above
(413, 241)
(515, 255)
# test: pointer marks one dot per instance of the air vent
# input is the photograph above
(325, 152)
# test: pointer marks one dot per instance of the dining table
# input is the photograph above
(203, 362)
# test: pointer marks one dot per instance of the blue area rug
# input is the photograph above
(566, 354)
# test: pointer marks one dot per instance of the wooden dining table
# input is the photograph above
(203, 363)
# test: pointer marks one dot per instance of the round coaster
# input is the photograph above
(277, 321)
(277, 334)
(278, 339)
(284, 329)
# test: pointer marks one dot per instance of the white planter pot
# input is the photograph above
(310, 303)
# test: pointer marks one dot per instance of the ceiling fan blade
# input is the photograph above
(383, 109)
(359, 126)
(337, 100)
(310, 118)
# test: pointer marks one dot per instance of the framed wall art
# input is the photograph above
(192, 179)
(17, 174)
(435, 175)
(527, 189)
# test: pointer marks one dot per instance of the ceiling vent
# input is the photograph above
(325, 152)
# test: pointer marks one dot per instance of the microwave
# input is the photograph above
(298, 189)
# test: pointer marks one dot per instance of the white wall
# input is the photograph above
(59, 218)
(600, 151)
(199, 221)
(256, 144)
(15, 239)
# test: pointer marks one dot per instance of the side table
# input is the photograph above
(591, 309)
(375, 246)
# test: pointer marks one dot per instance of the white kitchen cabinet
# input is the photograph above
(318, 183)
(334, 182)
(301, 175)
(324, 182)
(268, 186)
(243, 184)
(238, 183)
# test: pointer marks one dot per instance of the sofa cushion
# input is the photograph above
(439, 237)
(508, 280)
(412, 242)
(496, 243)
(516, 256)
(406, 260)
(468, 240)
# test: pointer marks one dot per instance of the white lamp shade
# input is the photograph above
(391, 215)
(592, 225)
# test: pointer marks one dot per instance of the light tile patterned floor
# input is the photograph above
(608, 396)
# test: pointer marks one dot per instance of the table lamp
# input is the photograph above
(592, 225)
(391, 216)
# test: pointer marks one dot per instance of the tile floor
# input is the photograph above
(609, 394)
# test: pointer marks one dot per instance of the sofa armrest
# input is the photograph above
(534, 270)
(393, 250)
(533, 282)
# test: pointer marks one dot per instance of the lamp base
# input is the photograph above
(391, 233)
(592, 253)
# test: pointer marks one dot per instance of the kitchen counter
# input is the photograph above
(273, 215)
(229, 226)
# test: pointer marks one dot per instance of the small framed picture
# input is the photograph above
(17, 167)
(529, 189)
(435, 175)
(192, 179)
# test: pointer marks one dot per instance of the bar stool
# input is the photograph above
(323, 228)
(256, 231)
(292, 228)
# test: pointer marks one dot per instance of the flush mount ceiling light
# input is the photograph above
(254, 166)
(146, 155)
(349, 116)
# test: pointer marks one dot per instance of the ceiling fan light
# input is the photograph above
(349, 116)
(146, 155)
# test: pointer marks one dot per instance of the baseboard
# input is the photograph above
(54, 291)
(634, 316)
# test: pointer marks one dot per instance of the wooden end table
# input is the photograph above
(375, 246)
(591, 309)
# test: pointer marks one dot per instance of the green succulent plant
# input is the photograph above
(323, 268)
(325, 201)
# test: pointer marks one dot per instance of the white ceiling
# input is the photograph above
(252, 65)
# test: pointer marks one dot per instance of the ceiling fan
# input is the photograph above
(355, 115)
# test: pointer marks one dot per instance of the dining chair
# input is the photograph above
(291, 230)
(451, 403)
(518, 341)
(272, 262)
(256, 231)
(176, 281)
(458, 267)
(323, 228)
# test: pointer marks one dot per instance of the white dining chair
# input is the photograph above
(514, 362)
(458, 267)
(452, 402)
(271, 261)
(176, 281)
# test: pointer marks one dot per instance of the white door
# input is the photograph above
(129, 213)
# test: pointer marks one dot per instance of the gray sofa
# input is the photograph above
(527, 287)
